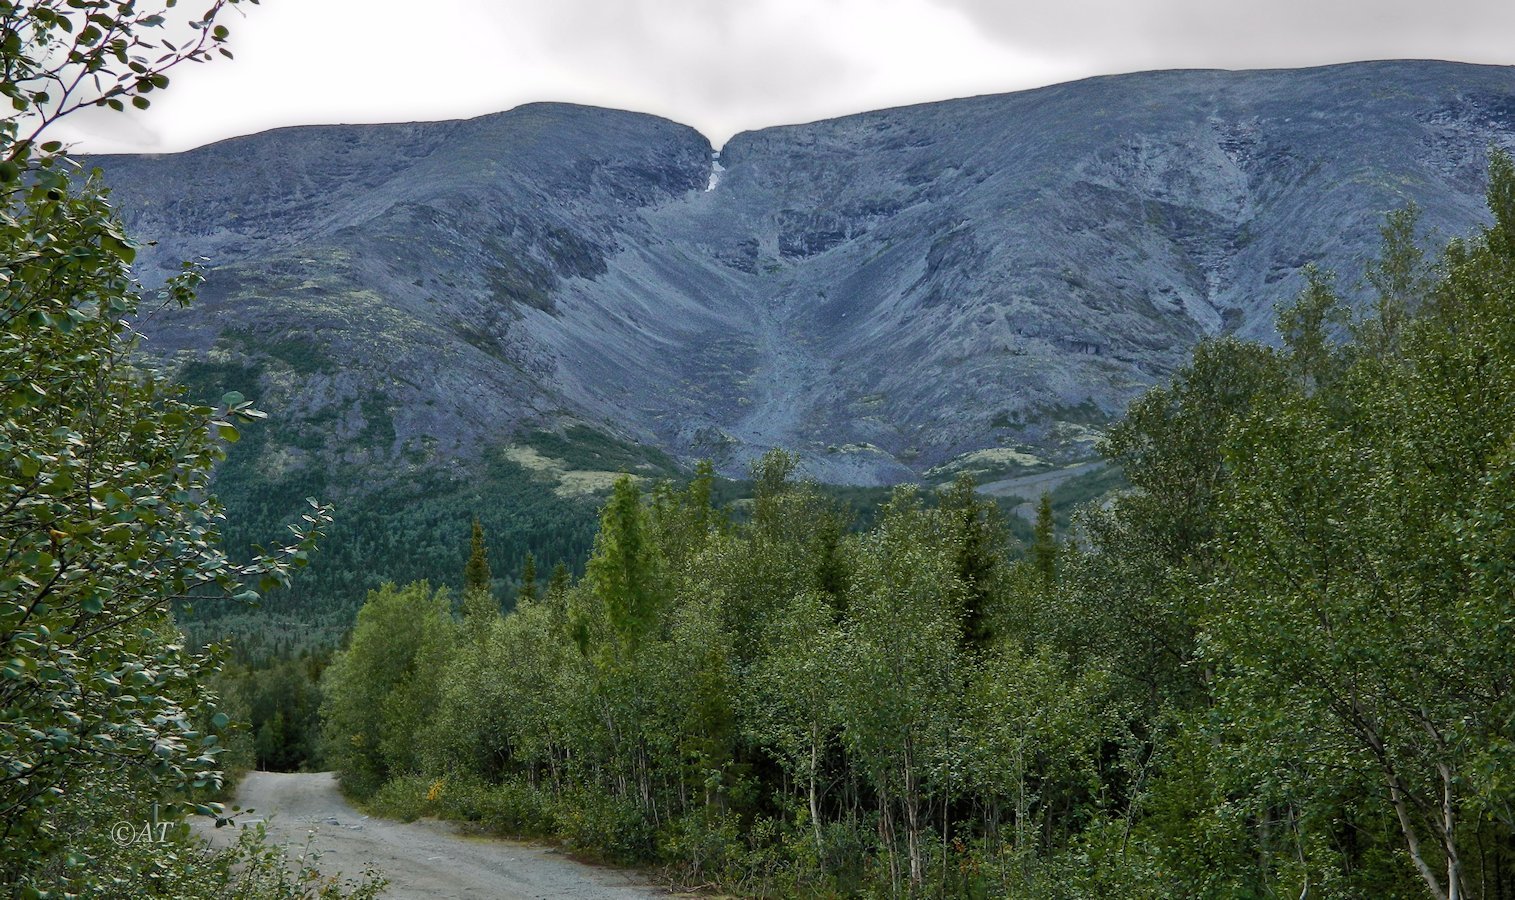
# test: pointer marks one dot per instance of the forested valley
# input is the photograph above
(1278, 665)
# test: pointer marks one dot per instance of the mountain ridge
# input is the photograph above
(573, 104)
(881, 292)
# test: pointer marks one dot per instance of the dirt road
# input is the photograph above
(421, 859)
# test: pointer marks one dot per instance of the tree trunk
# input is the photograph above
(815, 800)
(1022, 802)
(886, 836)
(913, 816)
(1455, 890)
(1412, 840)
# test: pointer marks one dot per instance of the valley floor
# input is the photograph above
(1033, 486)
(425, 859)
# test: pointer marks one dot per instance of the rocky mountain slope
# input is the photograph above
(881, 293)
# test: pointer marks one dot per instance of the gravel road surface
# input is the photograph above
(422, 859)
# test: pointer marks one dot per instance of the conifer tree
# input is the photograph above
(559, 583)
(528, 592)
(476, 574)
(1044, 547)
(479, 604)
(622, 573)
(979, 540)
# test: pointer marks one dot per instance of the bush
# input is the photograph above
(704, 846)
(606, 827)
(513, 808)
(380, 691)
(407, 798)
(252, 869)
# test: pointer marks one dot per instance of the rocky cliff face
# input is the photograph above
(881, 293)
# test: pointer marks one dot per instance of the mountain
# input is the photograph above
(882, 293)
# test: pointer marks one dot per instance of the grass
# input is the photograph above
(581, 448)
(1090, 486)
(303, 355)
(206, 381)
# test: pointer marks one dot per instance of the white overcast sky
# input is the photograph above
(724, 66)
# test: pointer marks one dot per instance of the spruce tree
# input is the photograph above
(479, 604)
(1044, 546)
(476, 574)
(528, 592)
(623, 573)
(559, 583)
(979, 540)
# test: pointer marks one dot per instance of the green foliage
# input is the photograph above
(178, 866)
(981, 556)
(61, 56)
(253, 869)
(607, 826)
(792, 707)
(622, 577)
(649, 710)
(583, 448)
(1277, 664)
(476, 575)
(1096, 485)
(528, 591)
(275, 706)
(557, 586)
(1308, 327)
(403, 531)
(417, 528)
(512, 806)
(480, 607)
(381, 689)
(1355, 553)
(105, 517)
(303, 354)
(1346, 685)
(1401, 279)
(899, 694)
(1043, 553)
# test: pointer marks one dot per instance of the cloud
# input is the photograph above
(721, 67)
(725, 67)
(698, 59)
(1119, 35)
(730, 65)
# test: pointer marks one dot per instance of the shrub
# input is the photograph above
(512, 808)
(604, 826)
(408, 798)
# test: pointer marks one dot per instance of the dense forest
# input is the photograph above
(1278, 665)
(414, 527)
